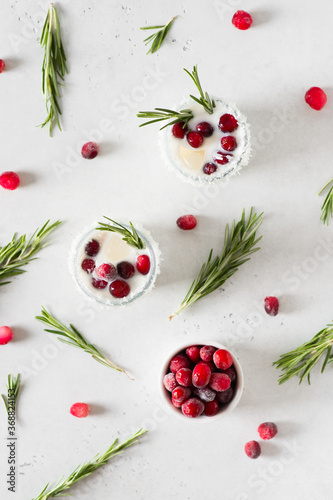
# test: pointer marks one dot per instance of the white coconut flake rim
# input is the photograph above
(224, 172)
(155, 259)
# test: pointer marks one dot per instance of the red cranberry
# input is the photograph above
(209, 168)
(143, 264)
(195, 139)
(90, 150)
(242, 20)
(205, 129)
(186, 222)
(92, 248)
(125, 270)
(252, 449)
(99, 284)
(193, 353)
(222, 158)
(316, 98)
(219, 382)
(228, 123)
(211, 408)
(222, 359)
(179, 361)
(225, 396)
(229, 143)
(193, 408)
(2, 65)
(175, 403)
(9, 180)
(210, 364)
(271, 305)
(119, 289)
(170, 382)
(267, 430)
(205, 394)
(6, 335)
(179, 130)
(206, 352)
(231, 372)
(181, 394)
(88, 265)
(184, 377)
(80, 410)
(201, 375)
(107, 271)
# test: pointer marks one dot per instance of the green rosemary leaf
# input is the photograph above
(160, 114)
(205, 101)
(131, 237)
(327, 206)
(14, 387)
(158, 37)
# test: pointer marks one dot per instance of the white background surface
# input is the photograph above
(266, 71)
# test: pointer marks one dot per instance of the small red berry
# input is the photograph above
(9, 180)
(106, 271)
(193, 408)
(2, 65)
(99, 284)
(184, 377)
(179, 361)
(231, 372)
(170, 382)
(209, 168)
(316, 98)
(225, 396)
(271, 305)
(88, 265)
(143, 264)
(222, 359)
(6, 335)
(267, 430)
(119, 289)
(252, 449)
(195, 139)
(205, 394)
(125, 270)
(205, 129)
(229, 143)
(90, 150)
(221, 158)
(228, 123)
(80, 410)
(207, 352)
(201, 375)
(242, 20)
(92, 248)
(179, 131)
(181, 394)
(186, 222)
(211, 408)
(176, 403)
(219, 382)
(193, 353)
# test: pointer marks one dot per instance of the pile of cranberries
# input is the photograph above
(114, 277)
(201, 380)
(195, 138)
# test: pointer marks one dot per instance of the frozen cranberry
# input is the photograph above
(231, 372)
(80, 410)
(271, 305)
(2, 65)
(201, 375)
(184, 377)
(125, 270)
(9, 180)
(225, 396)
(179, 361)
(107, 271)
(170, 382)
(205, 129)
(229, 143)
(219, 382)
(88, 265)
(90, 150)
(209, 168)
(181, 394)
(222, 158)
(222, 359)
(207, 352)
(316, 98)
(99, 284)
(252, 449)
(186, 222)
(205, 394)
(193, 353)
(179, 130)
(193, 408)
(176, 403)
(6, 335)
(211, 408)
(92, 248)
(242, 20)
(119, 289)
(228, 123)
(267, 430)
(195, 139)
(143, 264)
(210, 364)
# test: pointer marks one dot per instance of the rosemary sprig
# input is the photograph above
(303, 359)
(239, 244)
(54, 67)
(131, 237)
(327, 206)
(13, 388)
(157, 38)
(74, 338)
(20, 251)
(88, 468)
(160, 114)
(205, 101)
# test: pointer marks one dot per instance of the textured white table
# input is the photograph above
(266, 71)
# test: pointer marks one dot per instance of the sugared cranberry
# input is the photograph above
(201, 375)
(252, 449)
(225, 396)
(222, 359)
(6, 335)
(207, 352)
(90, 150)
(80, 410)
(210, 364)
(231, 372)
(107, 271)
(205, 394)
(193, 408)
(170, 382)
(176, 403)
(143, 264)
(125, 270)
(271, 305)
(267, 430)
(205, 129)
(181, 394)
(195, 139)
(179, 130)
(242, 20)
(316, 98)
(119, 289)
(186, 222)
(179, 361)
(229, 143)
(209, 168)
(222, 158)
(211, 408)
(184, 377)
(228, 123)
(219, 382)
(9, 180)
(88, 265)
(99, 284)
(92, 248)
(2, 66)
(193, 353)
